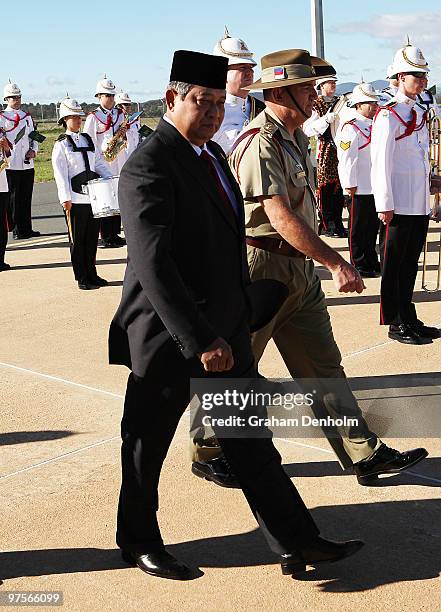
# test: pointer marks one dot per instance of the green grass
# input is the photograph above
(43, 164)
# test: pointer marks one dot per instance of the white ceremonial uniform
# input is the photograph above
(68, 163)
(102, 125)
(354, 158)
(400, 183)
(237, 116)
(3, 182)
(354, 170)
(400, 168)
(133, 139)
(387, 94)
(427, 101)
(12, 122)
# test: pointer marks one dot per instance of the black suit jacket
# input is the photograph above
(186, 271)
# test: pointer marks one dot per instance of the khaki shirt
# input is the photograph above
(265, 168)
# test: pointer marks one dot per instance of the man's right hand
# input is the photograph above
(347, 278)
(67, 205)
(217, 357)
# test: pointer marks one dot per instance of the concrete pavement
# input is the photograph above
(59, 460)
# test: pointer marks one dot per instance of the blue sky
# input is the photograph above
(70, 47)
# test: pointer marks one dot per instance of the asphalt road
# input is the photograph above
(47, 214)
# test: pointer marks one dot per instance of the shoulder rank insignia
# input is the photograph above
(269, 129)
(61, 137)
(345, 145)
(390, 104)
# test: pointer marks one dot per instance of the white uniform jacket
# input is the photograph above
(3, 182)
(12, 122)
(354, 155)
(400, 166)
(102, 125)
(132, 137)
(67, 163)
(237, 116)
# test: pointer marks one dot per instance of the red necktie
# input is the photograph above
(220, 188)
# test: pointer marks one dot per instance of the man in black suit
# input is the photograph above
(184, 313)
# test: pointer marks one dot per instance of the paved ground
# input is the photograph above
(59, 460)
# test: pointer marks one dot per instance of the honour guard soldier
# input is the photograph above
(5, 153)
(330, 194)
(17, 126)
(76, 161)
(271, 162)
(240, 107)
(124, 103)
(400, 182)
(354, 170)
(102, 125)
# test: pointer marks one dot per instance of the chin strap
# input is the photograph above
(296, 104)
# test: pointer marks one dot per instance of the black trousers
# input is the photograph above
(83, 239)
(110, 227)
(4, 203)
(331, 203)
(363, 230)
(401, 243)
(152, 409)
(21, 186)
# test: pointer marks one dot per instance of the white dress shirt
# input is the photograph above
(8, 118)
(132, 137)
(237, 116)
(67, 163)
(354, 157)
(400, 168)
(95, 126)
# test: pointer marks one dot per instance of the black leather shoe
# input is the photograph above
(100, 282)
(424, 330)
(317, 552)
(119, 240)
(4, 266)
(342, 232)
(107, 244)
(387, 460)
(34, 234)
(160, 564)
(217, 470)
(406, 334)
(87, 286)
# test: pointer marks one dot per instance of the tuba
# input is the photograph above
(117, 143)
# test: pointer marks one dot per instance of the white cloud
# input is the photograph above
(424, 29)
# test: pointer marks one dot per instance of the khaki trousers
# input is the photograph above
(303, 335)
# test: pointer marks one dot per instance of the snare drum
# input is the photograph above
(103, 193)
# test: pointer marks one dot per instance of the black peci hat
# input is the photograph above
(199, 69)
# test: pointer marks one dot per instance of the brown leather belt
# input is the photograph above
(274, 246)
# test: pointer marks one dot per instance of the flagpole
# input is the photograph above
(318, 40)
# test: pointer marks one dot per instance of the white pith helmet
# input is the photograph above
(408, 59)
(11, 89)
(122, 97)
(234, 49)
(389, 72)
(68, 108)
(319, 82)
(105, 86)
(363, 92)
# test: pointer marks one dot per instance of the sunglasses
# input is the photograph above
(417, 75)
(15, 97)
(108, 95)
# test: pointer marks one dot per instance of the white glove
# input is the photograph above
(330, 117)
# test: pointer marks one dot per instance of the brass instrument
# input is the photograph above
(117, 142)
(5, 153)
(434, 127)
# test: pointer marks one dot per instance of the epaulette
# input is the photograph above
(61, 137)
(269, 129)
(390, 104)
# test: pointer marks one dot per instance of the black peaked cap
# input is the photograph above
(199, 69)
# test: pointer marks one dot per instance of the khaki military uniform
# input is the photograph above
(276, 163)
